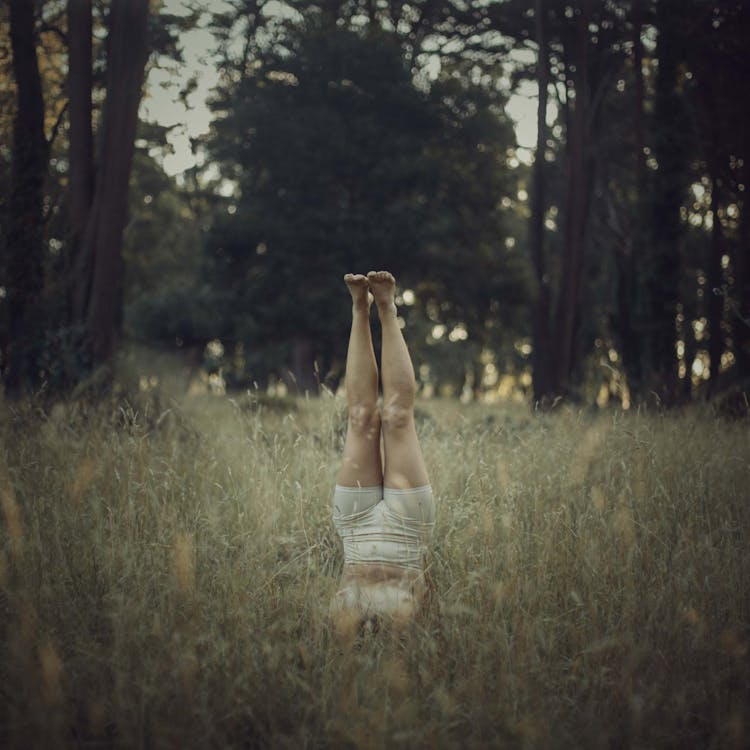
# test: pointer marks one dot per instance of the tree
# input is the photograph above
(578, 52)
(579, 179)
(325, 140)
(81, 134)
(97, 294)
(541, 343)
(342, 162)
(627, 216)
(52, 289)
(662, 265)
(470, 274)
(168, 299)
(715, 53)
(24, 251)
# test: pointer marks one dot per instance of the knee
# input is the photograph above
(364, 419)
(397, 416)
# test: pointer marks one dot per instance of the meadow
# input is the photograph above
(166, 568)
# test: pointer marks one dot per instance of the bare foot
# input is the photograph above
(358, 288)
(383, 287)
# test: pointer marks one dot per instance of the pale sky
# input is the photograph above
(161, 103)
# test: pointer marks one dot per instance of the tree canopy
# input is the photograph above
(341, 161)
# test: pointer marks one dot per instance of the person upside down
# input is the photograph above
(383, 506)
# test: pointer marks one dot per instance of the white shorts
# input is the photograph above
(382, 529)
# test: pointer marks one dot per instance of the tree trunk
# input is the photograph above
(742, 282)
(662, 267)
(640, 159)
(98, 296)
(628, 255)
(741, 316)
(80, 136)
(567, 317)
(24, 242)
(715, 298)
(623, 323)
(541, 351)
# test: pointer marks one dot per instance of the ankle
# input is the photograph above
(387, 308)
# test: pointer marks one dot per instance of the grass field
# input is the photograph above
(166, 570)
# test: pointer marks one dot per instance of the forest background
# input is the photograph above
(609, 264)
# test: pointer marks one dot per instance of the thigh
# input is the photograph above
(361, 465)
(404, 465)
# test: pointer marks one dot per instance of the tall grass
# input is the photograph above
(165, 576)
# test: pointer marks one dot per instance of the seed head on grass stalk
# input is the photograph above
(184, 562)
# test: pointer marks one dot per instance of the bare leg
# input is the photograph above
(404, 463)
(361, 466)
